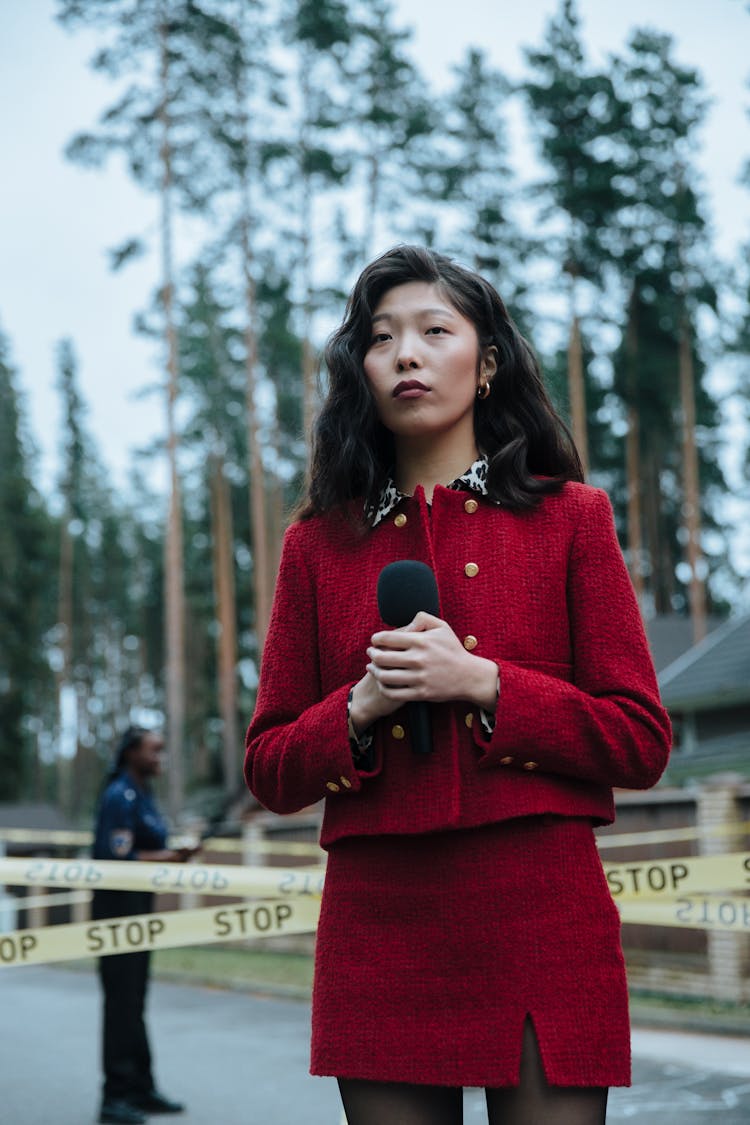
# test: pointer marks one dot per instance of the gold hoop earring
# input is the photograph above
(483, 390)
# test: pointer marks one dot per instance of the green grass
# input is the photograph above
(689, 1013)
(232, 967)
(290, 974)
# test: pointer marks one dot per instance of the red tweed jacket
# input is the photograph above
(548, 598)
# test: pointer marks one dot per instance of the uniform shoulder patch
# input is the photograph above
(121, 841)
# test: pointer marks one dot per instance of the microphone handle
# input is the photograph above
(419, 728)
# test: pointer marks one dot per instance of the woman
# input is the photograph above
(467, 936)
(129, 826)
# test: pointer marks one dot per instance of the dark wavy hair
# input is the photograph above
(528, 446)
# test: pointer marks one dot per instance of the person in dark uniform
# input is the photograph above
(129, 826)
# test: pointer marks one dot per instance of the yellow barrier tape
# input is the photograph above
(274, 917)
(266, 847)
(667, 878)
(727, 913)
(166, 930)
(213, 843)
(162, 878)
(297, 912)
(672, 835)
(65, 898)
(237, 846)
(38, 836)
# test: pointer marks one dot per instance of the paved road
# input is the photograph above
(239, 1059)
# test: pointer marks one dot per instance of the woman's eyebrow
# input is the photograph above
(420, 312)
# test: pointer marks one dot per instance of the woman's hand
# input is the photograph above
(422, 662)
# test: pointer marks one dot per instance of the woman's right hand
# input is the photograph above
(369, 704)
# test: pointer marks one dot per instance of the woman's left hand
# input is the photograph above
(425, 661)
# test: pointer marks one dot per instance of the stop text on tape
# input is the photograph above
(641, 879)
(166, 930)
(726, 913)
(667, 878)
(163, 878)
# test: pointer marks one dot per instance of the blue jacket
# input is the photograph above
(128, 821)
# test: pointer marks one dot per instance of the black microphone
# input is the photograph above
(405, 588)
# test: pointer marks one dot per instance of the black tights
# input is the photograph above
(532, 1102)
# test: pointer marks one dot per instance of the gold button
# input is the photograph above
(400, 520)
(345, 782)
(398, 731)
(333, 787)
(469, 719)
(506, 761)
(470, 507)
(470, 642)
(530, 765)
(471, 570)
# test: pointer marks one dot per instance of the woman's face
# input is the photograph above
(423, 363)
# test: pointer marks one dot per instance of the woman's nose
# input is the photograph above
(408, 357)
(405, 363)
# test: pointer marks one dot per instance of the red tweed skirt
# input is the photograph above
(432, 951)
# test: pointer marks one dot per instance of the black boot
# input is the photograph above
(118, 1112)
(154, 1102)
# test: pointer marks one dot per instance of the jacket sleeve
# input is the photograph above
(118, 824)
(607, 725)
(297, 745)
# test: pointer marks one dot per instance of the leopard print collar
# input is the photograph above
(473, 480)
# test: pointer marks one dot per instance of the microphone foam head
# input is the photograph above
(405, 588)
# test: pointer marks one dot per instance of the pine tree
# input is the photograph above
(280, 357)
(97, 682)
(163, 124)
(319, 33)
(389, 112)
(740, 344)
(26, 551)
(661, 240)
(467, 174)
(740, 331)
(73, 633)
(575, 113)
(245, 124)
(214, 379)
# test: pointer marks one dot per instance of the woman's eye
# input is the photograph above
(436, 328)
(379, 337)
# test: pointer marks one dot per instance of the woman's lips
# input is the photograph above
(410, 388)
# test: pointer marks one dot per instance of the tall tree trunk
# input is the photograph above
(633, 456)
(309, 387)
(262, 583)
(65, 676)
(577, 391)
(226, 642)
(275, 508)
(648, 484)
(576, 386)
(691, 504)
(173, 563)
(371, 206)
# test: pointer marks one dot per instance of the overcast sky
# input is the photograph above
(56, 220)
